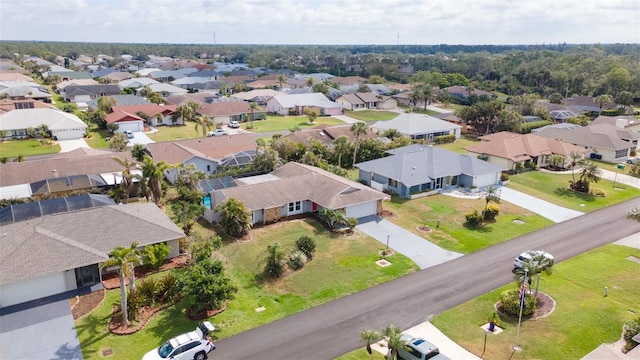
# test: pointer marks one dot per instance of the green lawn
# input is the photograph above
(371, 115)
(421, 110)
(280, 123)
(98, 138)
(178, 132)
(553, 188)
(12, 148)
(452, 234)
(582, 320)
(342, 265)
(459, 145)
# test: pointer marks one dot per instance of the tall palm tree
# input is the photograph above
(128, 178)
(542, 265)
(188, 110)
(252, 107)
(395, 342)
(415, 96)
(123, 259)
(575, 160)
(369, 336)
(427, 94)
(602, 100)
(590, 173)
(281, 80)
(340, 146)
(205, 123)
(358, 129)
(152, 173)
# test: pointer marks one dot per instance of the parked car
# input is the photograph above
(419, 349)
(129, 134)
(529, 255)
(192, 345)
(218, 132)
(234, 124)
(633, 161)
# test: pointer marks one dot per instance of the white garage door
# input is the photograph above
(362, 210)
(68, 134)
(23, 291)
(130, 125)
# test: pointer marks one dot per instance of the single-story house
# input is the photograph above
(130, 118)
(419, 126)
(599, 145)
(26, 93)
(294, 189)
(507, 149)
(7, 105)
(465, 92)
(259, 96)
(63, 84)
(164, 89)
(628, 123)
(120, 100)
(423, 170)
(222, 112)
(84, 93)
(135, 83)
(284, 104)
(586, 104)
(54, 254)
(62, 125)
(348, 80)
(327, 134)
(369, 100)
(68, 74)
(207, 154)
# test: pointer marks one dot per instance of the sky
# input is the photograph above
(323, 22)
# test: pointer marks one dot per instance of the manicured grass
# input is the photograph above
(371, 115)
(553, 188)
(13, 148)
(421, 110)
(613, 167)
(178, 132)
(98, 138)
(280, 123)
(452, 234)
(582, 320)
(342, 265)
(459, 145)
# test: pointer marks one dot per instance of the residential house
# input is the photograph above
(117, 76)
(222, 112)
(510, 150)
(586, 104)
(365, 101)
(136, 117)
(465, 91)
(285, 104)
(259, 96)
(14, 76)
(19, 90)
(84, 93)
(628, 123)
(606, 146)
(295, 189)
(170, 75)
(69, 74)
(327, 134)
(348, 80)
(120, 100)
(561, 116)
(135, 83)
(265, 82)
(62, 252)
(102, 72)
(62, 125)
(419, 170)
(165, 89)
(63, 84)
(198, 98)
(419, 126)
(207, 154)
(7, 105)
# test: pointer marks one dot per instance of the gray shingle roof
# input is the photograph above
(415, 124)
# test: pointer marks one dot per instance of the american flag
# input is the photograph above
(523, 288)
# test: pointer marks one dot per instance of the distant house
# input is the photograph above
(465, 92)
(507, 149)
(62, 125)
(561, 116)
(586, 104)
(628, 123)
(69, 75)
(133, 117)
(165, 89)
(62, 252)
(370, 100)
(207, 154)
(285, 104)
(7, 105)
(226, 111)
(327, 134)
(259, 96)
(419, 126)
(295, 189)
(418, 170)
(348, 80)
(84, 93)
(135, 83)
(120, 100)
(63, 84)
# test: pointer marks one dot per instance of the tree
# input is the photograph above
(311, 115)
(281, 79)
(491, 196)
(534, 266)
(188, 110)
(137, 152)
(602, 100)
(152, 174)
(557, 161)
(123, 259)
(208, 286)
(309, 82)
(275, 261)
(341, 147)
(186, 213)
(235, 218)
(266, 160)
(444, 97)
(575, 160)
(118, 142)
(252, 107)
(127, 182)
(307, 245)
(395, 342)
(105, 104)
(205, 123)
(358, 129)
(482, 115)
(369, 337)
(320, 88)
(624, 99)
(555, 98)
(590, 173)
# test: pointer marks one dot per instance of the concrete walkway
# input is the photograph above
(551, 211)
(420, 250)
(620, 178)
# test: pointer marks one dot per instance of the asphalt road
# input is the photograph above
(332, 329)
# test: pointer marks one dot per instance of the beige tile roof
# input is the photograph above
(214, 147)
(518, 147)
(226, 108)
(54, 243)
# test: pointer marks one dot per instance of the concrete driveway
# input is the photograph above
(551, 211)
(70, 145)
(140, 138)
(44, 331)
(421, 251)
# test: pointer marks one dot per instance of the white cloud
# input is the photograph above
(323, 21)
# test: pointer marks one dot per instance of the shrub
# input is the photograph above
(473, 218)
(154, 255)
(443, 139)
(297, 259)
(134, 304)
(510, 300)
(504, 177)
(146, 288)
(307, 245)
(527, 127)
(350, 222)
(167, 288)
(598, 192)
(630, 329)
(491, 212)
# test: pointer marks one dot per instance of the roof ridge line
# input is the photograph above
(68, 241)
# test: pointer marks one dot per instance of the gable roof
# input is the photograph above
(55, 243)
(121, 100)
(63, 84)
(108, 89)
(214, 148)
(70, 74)
(120, 113)
(7, 105)
(415, 164)
(584, 136)
(248, 95)
(136, 82)
(226, 108)
(414, 123)
(53, 118)
(26, 91)
(586, 103)
(308, 99)
(518, 147)
(327, 134)
(296, 182)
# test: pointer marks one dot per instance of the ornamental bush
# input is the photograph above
(510, 300)
(491, 212)
(473, 218)
(307, 245)
(154, 255)
(297, 259)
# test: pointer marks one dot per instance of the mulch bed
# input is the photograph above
(112, 281)
(116, 326)
(82, 305)
(545, 306)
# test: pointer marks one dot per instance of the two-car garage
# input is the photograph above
(361, 210)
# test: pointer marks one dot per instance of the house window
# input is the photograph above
(208, 168)
(295, 207)
(621, 153)
(393, 183)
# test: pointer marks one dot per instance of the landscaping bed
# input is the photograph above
(112, 281)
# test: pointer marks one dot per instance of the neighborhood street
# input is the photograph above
(332, 329)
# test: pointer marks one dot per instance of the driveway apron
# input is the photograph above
(420, 250)
(40, 332)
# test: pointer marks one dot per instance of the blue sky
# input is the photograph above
(423, 22)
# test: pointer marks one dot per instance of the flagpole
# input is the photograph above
(522, 297)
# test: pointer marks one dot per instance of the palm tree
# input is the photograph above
(205, 123)
(309, 82)
(575, 159)
(589, 172)
(123, 259)
(235, 218)
(152, 173)
(128, 178)
(602, 100)
(281, 80)
(427, 94)
(491, 197)
(395, 342)
(369, 336)
(260, 144)
(340, 146)
(358, 129)
(252, 106)
(542, 265)
(634, 214)
(415, 96)
(106, 103)
(187, 110)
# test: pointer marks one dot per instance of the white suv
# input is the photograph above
(529, 255)
(234, 124)
(192, 345)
